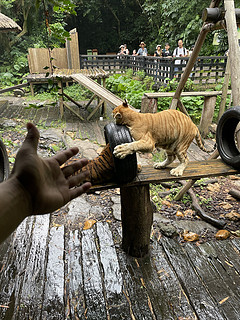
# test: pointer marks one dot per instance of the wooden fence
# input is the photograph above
(206, 69)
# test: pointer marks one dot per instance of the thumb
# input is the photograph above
(32, 137)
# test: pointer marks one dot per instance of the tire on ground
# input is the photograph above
(4, 163)
(226, 137)
(125, 169)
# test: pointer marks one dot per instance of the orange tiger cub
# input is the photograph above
(170, 130)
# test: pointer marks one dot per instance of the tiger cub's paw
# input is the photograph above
(122, 150)
(159, 165)
(177, 172)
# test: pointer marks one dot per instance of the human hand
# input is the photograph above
(48, 186)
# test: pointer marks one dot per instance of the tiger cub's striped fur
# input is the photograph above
(170, 130)
(101, 169)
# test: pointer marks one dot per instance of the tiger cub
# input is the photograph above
(170, 130)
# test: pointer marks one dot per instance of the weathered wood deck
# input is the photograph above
(51, 268)
(54, 271)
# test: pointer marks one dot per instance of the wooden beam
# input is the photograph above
(195, 170)
(95, 110)
(73, 111)
(72, 100)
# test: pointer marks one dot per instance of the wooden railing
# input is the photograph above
(206, 69)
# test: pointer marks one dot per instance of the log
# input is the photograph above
(148, 105)
(137, 218)
(235, 193)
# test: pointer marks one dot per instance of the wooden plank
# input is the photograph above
(74, 48)
(75, 305)
(30, 302)
(93, 288)
(53, 295)
(113, 280)
(179, 301)
(59, 56)
(194, 170)
(12, 271)
(151, 95)
(226, 261)
(158, 298)
(18, 86)
(210, 271)
(204, 305)
(73, 111)
(97, 89)
(39, 58)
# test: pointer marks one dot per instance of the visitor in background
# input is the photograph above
(134, 53)
(158, 52)
(180, 51)
(126, 51)
(166, 53)
(142, 51)
(121, 52)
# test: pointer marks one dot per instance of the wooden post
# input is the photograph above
(137, 218)
(60, 97)
(148, 105)
(222, 106)
(207, 115)
(234, 51)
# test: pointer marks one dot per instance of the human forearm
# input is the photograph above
(15, 206)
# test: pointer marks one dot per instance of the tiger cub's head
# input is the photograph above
(118, 112)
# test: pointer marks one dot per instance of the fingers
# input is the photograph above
(31, 140)
(74, 193)
(74, 167)
(74, 181)
(63, 156)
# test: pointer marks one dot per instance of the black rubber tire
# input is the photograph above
(4, 163)
(225, 137)
(125, 169)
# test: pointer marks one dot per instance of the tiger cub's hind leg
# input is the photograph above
(183, 158)
(170, 157)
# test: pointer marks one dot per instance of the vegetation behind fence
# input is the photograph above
(206, 69)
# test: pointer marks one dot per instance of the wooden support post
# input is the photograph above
(222, 106)
(32, 89)
(60, 95)
(137, 218)
(207, 115)
(148, 105)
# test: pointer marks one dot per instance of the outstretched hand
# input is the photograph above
(48, 186)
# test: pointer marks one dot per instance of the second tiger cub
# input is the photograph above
(170, 130)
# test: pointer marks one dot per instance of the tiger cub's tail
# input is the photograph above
(198, 139)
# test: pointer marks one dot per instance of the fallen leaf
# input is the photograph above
(213, 187)
(236, 233)
(88, 224)
(189, 212)
(166, 203)
(222, 234)
(56, 225)
(179, 214)
(190, 236)
(226, 206)
(233, 216)
(223, 300)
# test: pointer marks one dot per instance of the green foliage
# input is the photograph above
(130, 87)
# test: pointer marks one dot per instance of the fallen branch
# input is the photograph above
(201, 213)
(235, 193)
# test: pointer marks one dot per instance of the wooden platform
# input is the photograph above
(52, 270)
(194, 170)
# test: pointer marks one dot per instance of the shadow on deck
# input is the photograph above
(53, 269)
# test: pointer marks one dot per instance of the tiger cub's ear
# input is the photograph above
(118, 116)
(125, 103)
